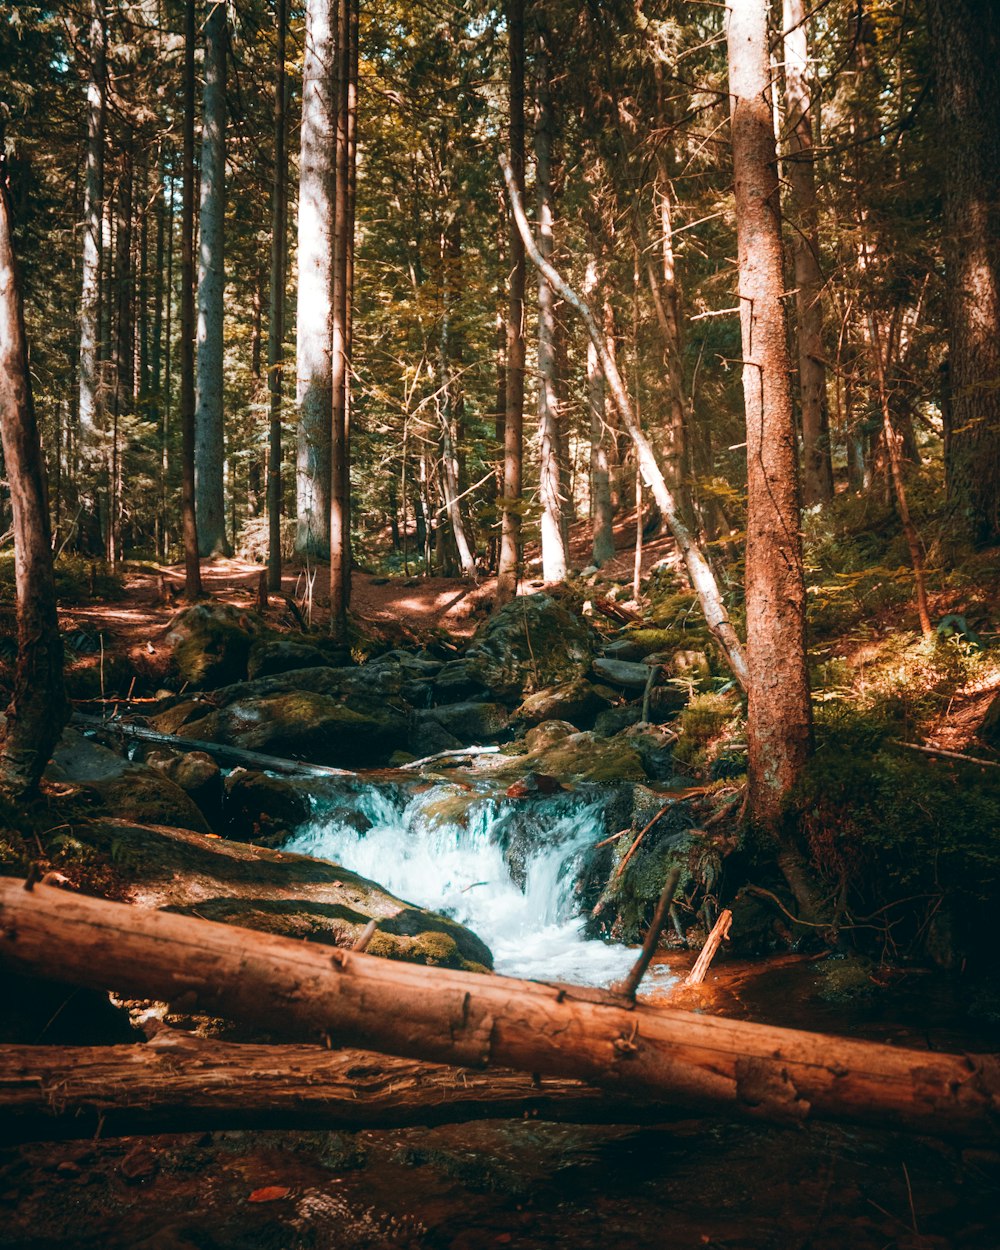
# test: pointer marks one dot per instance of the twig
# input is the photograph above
(627, 988)
(639, 837)
(455, 753)
(367, 933)
(952, 755)
(720, 931)
(614, 838)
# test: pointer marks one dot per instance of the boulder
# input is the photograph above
(529, 644)
(279, 892)
(470, 723)
(615, 719)
(578, 701)
(457, 681)
(263, 808)
(197, 774)
(581, 757)
(127, 790)
(211, 644)
(622, 673)
(281, 656)
(352, 732)
(548, 732)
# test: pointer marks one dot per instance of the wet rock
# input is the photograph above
(259, 807)
(615, 719)
(428, 737)
(624, 649)
(655, 748)
(211, 644)
(578, 701)
(531, 643)
(268, 658)
(127, 790)
(280, 892)
(355, 731)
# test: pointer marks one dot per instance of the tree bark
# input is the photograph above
(37, 710)
(340, 482)
(473, 1020)
(314, 341)
(965, 47)
(817, 469)
(699, 570)
(779, 722)
(210, 501)
(555, 557)
(451, 400)
(180, 1083)
(89, 412)
(602, 531)
(276, 309)
(192, 564)
(509, 568)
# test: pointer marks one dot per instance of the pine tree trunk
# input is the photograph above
(317, 171)
(210, 501)
(603, 539)
(513, 444)
(817, 469)
(276, 308)
(192, 566)
(38, 709)
(340, 375)
(966, 49)
(779, 728)
(89, 412)
(555, 561)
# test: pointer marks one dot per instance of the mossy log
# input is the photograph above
(180, 1083)
(478, 1021)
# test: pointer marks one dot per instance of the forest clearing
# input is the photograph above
(500, 624)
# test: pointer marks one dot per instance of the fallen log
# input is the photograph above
(226, 755)
(177, 1083)
(305, 990)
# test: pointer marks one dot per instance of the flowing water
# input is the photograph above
(509, 871)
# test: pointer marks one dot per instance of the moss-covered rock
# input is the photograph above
(278, 892)
(580, 757)
(530, 644)
(122, 788)
(263, 808)
(352, 732)
(269, 656)
(197, 774)
(211, 644)
(579, 702)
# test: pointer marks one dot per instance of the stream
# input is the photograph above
(510, 871)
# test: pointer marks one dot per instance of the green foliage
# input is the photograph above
(703, 726)
(78, 580)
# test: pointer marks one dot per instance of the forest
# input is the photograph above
(500, 624)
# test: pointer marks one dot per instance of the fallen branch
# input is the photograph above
(178, 1083)
(720, 931)
(227, 755)
(455, 754)
(307, 990)
(630, 985)
(616, 612)
(951, 755)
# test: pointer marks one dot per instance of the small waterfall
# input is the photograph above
(509, 871)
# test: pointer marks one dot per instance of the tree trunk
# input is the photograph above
(508, 571)
(192, 565)
(210, 499)
(180, 1083)
(779, 723)
(276, 308)
(474, 1020)
(89, 413)
(699, 570)
(340, 480)
(965, 46)
(451, 401)
(555, 559)
(817, 469)
(314, 341)
(603, 538)
(37, 709)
